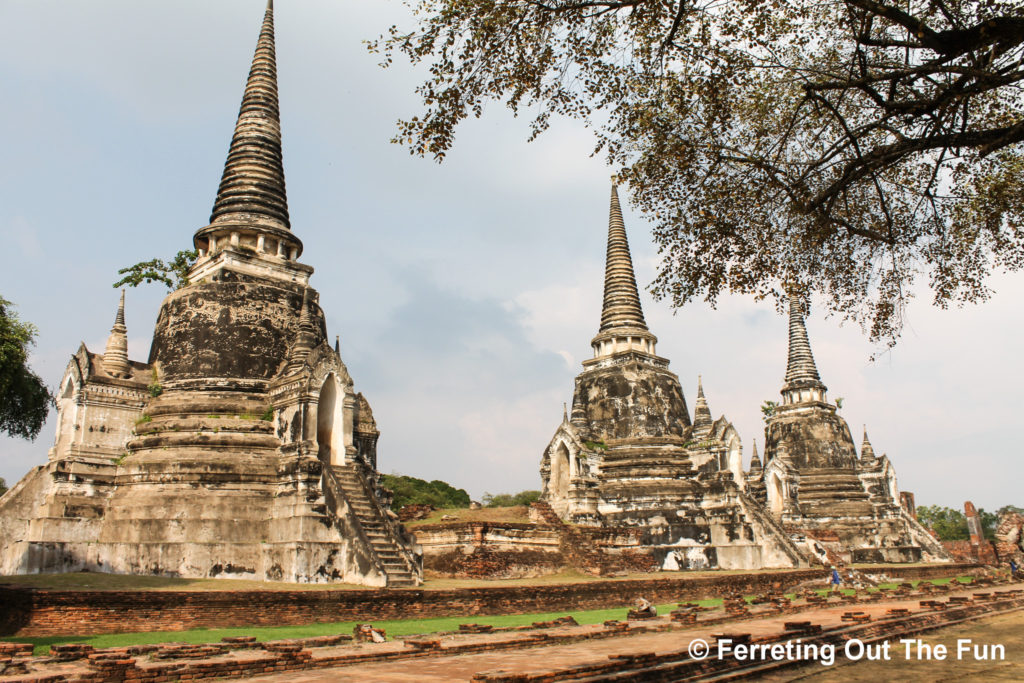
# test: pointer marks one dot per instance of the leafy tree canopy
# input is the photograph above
(847, 145)
(505, 500)
(173, 274)
(413, 491)
(24, 399)
(951, 525)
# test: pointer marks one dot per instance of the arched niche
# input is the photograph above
(67, 415)
(735, 457)
(776, 494)
(560, 472)
(330, 432)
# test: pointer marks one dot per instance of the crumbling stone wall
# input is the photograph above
(627, 398)
(820, 439)
(236, 327)
(1009, 543)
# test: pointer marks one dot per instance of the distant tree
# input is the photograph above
(173, 274)
(504, 500)
(989, 523)
(24, 399)
(949, 524)
(413, 491)
(852, 145)
(3, 486)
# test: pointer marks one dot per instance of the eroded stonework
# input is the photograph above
(241, 449)
(629, 457)
(847, 508)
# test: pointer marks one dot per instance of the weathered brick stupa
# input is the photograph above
(629, 456)
(241, 448)
(815, 484)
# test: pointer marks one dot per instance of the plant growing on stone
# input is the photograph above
(768, 410)
(154, 387)
(173, 274)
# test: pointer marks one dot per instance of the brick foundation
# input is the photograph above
(31, 612)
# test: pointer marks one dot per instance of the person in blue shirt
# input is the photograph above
(835, 579)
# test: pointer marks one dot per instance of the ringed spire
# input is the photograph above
(623, 327)
(621, 298)
(252, 187)
(802, 382)
(115, 357)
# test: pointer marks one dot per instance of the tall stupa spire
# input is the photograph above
(252, 186)
(621, 298)
(802, 381)
(250, 213)
(623, 327)
(115, 357)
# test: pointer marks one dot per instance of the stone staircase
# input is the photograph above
(377, 529)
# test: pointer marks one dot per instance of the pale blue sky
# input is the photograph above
(465, 294)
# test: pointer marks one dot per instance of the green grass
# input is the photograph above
(397, 627)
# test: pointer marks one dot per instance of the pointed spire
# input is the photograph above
(565, 412)
(252, 187)
(621, 299)
(867, 451)
(337, 344)
(119, 318)
(755, 461)
(115, 357)
(801, 365)
(702, 420)
(305, 336)
(801, 372)
(305, 321)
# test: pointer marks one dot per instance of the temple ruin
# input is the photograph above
(240, 448)
(814, 482)
(628, 455)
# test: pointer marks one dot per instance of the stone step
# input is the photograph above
(834, 486)
(364, 508)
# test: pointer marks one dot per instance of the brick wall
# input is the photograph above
(26, 612)
(970, 552)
